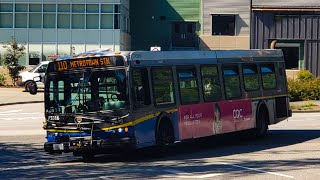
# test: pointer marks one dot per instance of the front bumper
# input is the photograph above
(78, 145)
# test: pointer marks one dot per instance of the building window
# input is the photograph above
(6, 20)
(35, 8)
(223, 25)
(6, 7)
(78, 21)
(35, 20)
(106, 8)
(92, 21)
(49, 8)
(116, 21)
(63, 8)
(106, 21)
(64, 21)
(21, 20)
(49, 20)
(21, 7)
(92, 8)
(78, 8)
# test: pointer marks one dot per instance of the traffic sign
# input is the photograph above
(155, 49)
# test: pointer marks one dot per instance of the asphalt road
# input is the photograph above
(290, 151)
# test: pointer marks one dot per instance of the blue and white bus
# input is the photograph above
(102, 101)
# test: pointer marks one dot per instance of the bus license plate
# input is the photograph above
(58, 147)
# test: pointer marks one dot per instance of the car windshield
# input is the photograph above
(86, 91)
(34, 68)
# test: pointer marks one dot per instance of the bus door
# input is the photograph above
(142, 105)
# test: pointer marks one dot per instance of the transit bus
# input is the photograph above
(105, 102)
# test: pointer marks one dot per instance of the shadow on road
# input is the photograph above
(29, 160)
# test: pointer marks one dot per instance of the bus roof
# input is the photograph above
(160, 58)
(167, 58)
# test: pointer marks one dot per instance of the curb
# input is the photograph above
(14, 103)
(312, 111)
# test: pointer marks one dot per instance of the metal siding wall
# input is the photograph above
(262, 30)
(227, 7)
(289, 27)
(286, 3)
(312, 62)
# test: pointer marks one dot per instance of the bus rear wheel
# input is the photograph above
(262, 122)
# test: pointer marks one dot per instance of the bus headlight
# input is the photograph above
(78, 119)
(120, 130)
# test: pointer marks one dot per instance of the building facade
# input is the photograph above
(60, 27)
(290, 25)
(50, 27)
(225, 24)
(170, 24)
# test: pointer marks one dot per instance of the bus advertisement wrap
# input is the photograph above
(214, 118)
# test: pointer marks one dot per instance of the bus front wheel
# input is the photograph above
(262, 122)
(87, 156)
(164, 134)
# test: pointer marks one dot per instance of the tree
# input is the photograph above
(11, 58)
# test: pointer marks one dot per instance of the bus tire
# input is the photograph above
(164, 135)
(262, 122)
(87, 156)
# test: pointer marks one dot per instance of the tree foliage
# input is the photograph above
(11, 58)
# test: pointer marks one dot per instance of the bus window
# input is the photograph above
(211, 83)
(141, 87)
(163, 86)
(231, 82)
(268, 76)
(250, 77)
(188, 87)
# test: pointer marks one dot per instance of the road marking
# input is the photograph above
(22, 118)
(11, 111)
(41, 166)
(252, 169)
(32, 113)
(181, 174)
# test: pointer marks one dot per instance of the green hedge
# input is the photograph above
(305, 87)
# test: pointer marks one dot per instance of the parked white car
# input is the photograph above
(27, 77)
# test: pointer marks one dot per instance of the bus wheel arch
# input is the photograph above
(262, 120)
(164, 132)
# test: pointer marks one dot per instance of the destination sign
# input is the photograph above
(88, 62)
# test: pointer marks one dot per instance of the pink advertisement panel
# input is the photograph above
(199, 120)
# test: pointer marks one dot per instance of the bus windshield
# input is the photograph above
(89, 90)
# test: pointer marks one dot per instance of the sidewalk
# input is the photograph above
(9, 96)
